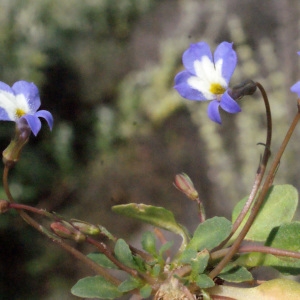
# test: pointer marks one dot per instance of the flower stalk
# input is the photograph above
(255, 209)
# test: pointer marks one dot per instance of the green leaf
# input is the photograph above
(210, 234)
(145, 291)
(234, 273)
(187, 255)
(204, 282)
(165, 247)
(149, 243)
(123, 254)
(286, 237)
(95, 287)
(157, 216)
(102, 260)
(130, 284)
(279, 207)
(199, 263)
(155, 270)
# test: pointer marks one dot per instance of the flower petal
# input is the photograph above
(46, 115)
(195, 53)
(185, 89)
(296, 88)
(228, 104)
(225, 60)
(213, 111)
(4, 115)
(5, 87)
(30, 92)
(33, 122)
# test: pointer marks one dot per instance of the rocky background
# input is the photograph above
(105, 69)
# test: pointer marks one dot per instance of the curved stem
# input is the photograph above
(77, 254)
(262, 167)
(260, 171)
(255, 209)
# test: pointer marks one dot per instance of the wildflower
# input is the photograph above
(20, 103)
(207, 77)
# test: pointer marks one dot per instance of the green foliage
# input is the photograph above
(287, 237)
(157, 216)
(234, 273)
(95, 287)
(149, 243)
(210, 234)
(124, 255)
(102, 260)
(278, 207)
(130, 284)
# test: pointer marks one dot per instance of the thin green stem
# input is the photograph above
(255, 209)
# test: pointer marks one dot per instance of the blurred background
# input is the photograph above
(105, 69)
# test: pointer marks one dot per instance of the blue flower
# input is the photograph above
(207, 77)
(296, 87)
(20, 103)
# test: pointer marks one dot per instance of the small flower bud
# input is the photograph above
(245, 88)
(4, 206)
(184, 184)
(66, 231)
(85, 227)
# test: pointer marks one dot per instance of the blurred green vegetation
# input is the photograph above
(105, 70)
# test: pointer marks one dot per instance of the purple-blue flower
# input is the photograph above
(296, 87)
(20, 104)
(207, 77)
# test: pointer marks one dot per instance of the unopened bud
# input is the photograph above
(184, 184)
(66, 231)
(85, 227)
(246, 88)
(4, 206)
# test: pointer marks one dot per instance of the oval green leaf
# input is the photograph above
(279, 207)
(123, 254)
(102, 260)
(95, 287)
(210, 234)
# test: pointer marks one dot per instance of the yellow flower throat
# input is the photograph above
(217, 89)
(20, 112)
